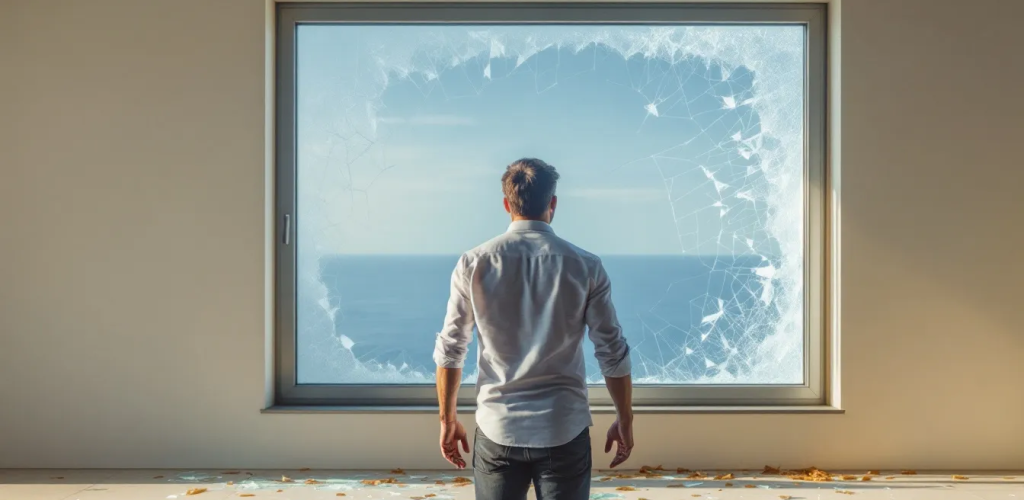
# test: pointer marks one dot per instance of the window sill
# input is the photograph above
(597, 410)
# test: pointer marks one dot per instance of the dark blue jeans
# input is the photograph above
(559, 473)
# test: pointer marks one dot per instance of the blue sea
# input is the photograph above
(686, 318)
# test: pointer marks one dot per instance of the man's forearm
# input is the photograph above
(448, 380)
(621, 390)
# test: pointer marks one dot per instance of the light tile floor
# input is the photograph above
(422, 485)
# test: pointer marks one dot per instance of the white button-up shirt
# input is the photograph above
(531, 296)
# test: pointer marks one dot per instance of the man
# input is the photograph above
(531, 296)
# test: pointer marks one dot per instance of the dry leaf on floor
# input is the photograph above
(231, 483)
(625, 488)
(724, 476)
(874, 472)
(280, 491)
(606, 479)
(312, 481)
(398, 471)
(768, 469)
(960, 478)
(429, 495)
(890, 477)
(676, 486)
(339, 494)
(728, 485)
(158, 477)
(909, 472)
(695, 495)
(247, 495)
(865, 478)
(682, 470)
(462, 481)
(844, 492)
(697, 475)
(785, 497)
(439, 483)
(195, 491)
(231, 472)
(304, 469)
(378, 482)
(286, 479)
(847, 477)
(749, 486)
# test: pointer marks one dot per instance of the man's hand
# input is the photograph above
(621, 433)
(452, 433)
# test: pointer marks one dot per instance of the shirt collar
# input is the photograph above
(530, 225)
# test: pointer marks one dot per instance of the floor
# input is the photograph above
(648, 484)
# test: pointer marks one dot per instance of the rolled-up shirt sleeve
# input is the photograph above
(610, 346)
(457, 332)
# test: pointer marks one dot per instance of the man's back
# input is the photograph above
(532, 296)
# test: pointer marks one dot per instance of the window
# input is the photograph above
(690, 140)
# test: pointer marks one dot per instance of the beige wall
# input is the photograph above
(132, 251)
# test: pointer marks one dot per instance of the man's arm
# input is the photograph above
(450, 356)
(612, 354)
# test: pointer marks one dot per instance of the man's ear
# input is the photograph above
(508, 208)
(554, 203)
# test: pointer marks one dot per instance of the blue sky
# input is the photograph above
(654, 157)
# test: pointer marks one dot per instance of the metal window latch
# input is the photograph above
(287, 237)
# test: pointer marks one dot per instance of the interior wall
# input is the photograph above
(132, 251)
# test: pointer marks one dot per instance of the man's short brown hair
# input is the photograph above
(529, 185)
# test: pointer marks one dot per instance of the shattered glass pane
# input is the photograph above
(681, 150)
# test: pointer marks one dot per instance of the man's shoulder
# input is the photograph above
(514, 243)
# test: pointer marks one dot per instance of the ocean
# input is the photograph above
(687, 318)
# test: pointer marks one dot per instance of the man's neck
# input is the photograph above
(516, 218)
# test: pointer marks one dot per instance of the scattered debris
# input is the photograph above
(462, 481)
(195, 491)
(378, 482)
(890, 478)
(768, 469)
(749, 486)
(695, 495)
(785, 497)
(728, 485)
(625, 488)
(682, 470)
(724, 476)
(398, 472)
(312, 481)
(1009, 478)
(231, 483)
(429, 495)
(676, 486)
(286, 479)
(844, 492)
(960, 478)
(439, 483)
(874, 472)
(247, 495)
(909, 472)
(304, 469)
(697, 475)
(865, 478)
(847, 477)
(231, 472)
(280, 491)
(605, 479)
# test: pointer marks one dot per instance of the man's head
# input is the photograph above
(529, 187)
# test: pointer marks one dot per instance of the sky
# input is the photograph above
(404, 132)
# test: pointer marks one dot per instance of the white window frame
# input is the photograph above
(813, 392)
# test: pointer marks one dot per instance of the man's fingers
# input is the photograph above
(465, 444)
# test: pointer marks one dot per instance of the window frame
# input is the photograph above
(817, 191)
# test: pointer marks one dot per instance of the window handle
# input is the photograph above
(287, 238)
